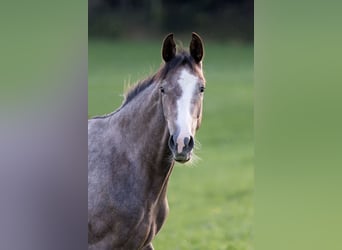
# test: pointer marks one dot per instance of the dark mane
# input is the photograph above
(138, 88)
(181, 59)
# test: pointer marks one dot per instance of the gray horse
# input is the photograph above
(131, 152)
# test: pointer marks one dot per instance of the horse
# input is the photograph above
(132, 151)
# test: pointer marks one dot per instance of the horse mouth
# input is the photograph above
(181, 158)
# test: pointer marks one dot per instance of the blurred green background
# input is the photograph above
(298, 125)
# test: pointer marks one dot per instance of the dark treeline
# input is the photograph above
(218, 19)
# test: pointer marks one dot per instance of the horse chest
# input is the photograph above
(149, 218)
(142, 224)
(152, 219)
(129, 227)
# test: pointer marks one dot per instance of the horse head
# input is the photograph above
(181, 91)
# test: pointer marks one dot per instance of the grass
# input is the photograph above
(211, 203)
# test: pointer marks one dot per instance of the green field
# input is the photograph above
(211, 203)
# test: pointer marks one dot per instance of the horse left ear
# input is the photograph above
(196, 47)
(169, 48)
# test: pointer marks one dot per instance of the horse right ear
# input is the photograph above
(196, 47)
(169, 48)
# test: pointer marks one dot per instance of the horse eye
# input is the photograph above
(162, 89)
(202, 88)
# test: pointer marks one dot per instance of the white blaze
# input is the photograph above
(188, 83)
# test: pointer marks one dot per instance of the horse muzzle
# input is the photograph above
(181, 148)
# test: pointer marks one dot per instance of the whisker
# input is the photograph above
(193, 161)
(198, 144)
(170, 158)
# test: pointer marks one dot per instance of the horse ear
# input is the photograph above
(169, 48)
(196, 47)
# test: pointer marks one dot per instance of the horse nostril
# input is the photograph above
(171, 142)
(191, 142)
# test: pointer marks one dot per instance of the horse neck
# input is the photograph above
(145, 129)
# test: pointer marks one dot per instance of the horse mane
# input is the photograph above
(182, 58)
(137, 88)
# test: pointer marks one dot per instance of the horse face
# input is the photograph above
(182, 98)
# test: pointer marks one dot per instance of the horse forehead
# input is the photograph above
(187, 81)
